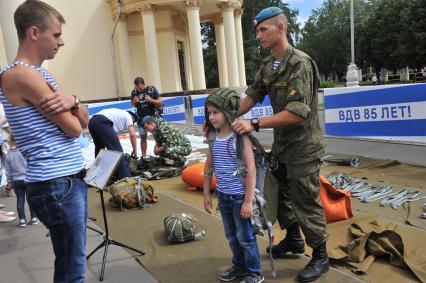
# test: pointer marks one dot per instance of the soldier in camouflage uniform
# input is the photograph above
(290, 78)
(170, 142)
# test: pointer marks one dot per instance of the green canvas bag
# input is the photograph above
(180, 228)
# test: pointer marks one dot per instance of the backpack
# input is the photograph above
(265, 163)
(131, 193)
(180, 228)
(132, 163)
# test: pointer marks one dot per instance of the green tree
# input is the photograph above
(393, 35)
(326, 35)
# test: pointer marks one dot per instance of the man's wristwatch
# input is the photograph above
(77, 103)
(255, 123)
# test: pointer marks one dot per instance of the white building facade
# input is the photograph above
(158, 40)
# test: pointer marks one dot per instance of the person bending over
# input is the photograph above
(104, 128)
(170, 142)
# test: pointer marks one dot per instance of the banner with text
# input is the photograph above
(96, 107)
(393, 112)
(198, 102)
(263, 109)
(174, 109)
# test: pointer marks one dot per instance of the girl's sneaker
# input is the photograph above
(231, 273)
(22, 223)
(34, 221)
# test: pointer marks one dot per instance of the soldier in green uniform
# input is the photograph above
(290, 78)
(170, 142)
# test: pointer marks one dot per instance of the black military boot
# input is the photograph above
(318, 265)
(293, 243)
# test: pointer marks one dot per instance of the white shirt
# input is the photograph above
(2, 114)
(120, 118)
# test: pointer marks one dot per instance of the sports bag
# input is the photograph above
(180, 228)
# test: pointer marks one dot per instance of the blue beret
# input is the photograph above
(145, 119)
(267, 13)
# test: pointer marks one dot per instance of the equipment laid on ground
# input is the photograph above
(180, 228)
(151, 167)
(132, 192)
(337, 203)
(342, 161)
(193, 176)
(367, 192)
(97, 176)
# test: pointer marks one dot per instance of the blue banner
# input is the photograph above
(96, 107)
(198, 102)
(174, 109)
(263, 109)
(383, 112)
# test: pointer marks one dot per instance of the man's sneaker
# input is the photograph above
(253, 278)
(231, 273)
(22, 223)
(34, 221)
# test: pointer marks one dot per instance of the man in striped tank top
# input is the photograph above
(46, 122)
(235, 197)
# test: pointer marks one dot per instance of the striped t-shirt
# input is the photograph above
(49, 152)
(276, 64)
(225, 166)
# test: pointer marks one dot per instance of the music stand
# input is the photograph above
(98, 176)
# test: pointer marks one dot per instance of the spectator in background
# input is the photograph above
(374, 79)
(15, 167)
(170, 142)
(146, 99)
(104, 128)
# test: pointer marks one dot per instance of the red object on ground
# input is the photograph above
(193, 176)
(337, 203)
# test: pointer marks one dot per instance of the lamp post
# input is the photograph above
(352, 73)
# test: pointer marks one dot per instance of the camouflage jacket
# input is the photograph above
(168, 136)
(293, 87)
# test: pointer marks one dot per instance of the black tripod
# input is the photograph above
(94, 229)
(108, 240)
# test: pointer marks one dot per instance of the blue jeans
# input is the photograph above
(20, 191)
(61, 205)
(239, 233)
(102, 131)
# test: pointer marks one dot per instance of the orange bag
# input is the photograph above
(193, 176)
(337, 203)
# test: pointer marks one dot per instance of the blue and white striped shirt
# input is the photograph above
(49, 152)
(276, 64)
(225, 164)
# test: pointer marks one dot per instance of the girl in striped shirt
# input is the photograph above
(235, 195)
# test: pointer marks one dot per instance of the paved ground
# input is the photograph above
(26, 255)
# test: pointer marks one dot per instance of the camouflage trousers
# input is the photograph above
(177, 153)
(299, 201)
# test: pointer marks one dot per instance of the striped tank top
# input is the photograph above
(49, 152)
(225, 166)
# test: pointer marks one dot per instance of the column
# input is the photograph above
(221, 52)
(122, 41)
(151, 47)
(10, 38)
(238, 12)
(3, 57)
(197, 63)
(230, 43)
